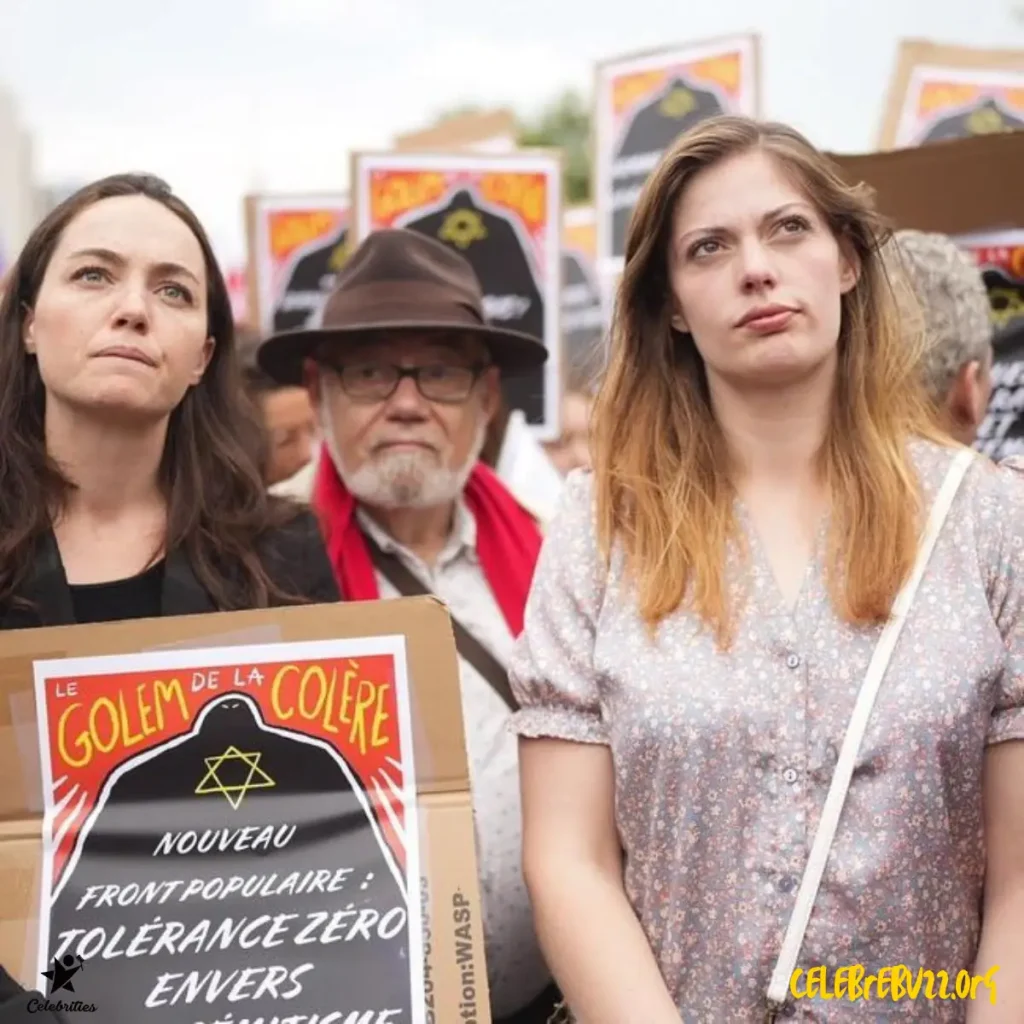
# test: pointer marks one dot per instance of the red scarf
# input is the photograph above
(508, 539)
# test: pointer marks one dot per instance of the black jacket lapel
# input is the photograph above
(46, 588)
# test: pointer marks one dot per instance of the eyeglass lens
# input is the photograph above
(438, 381)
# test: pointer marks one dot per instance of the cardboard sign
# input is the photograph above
(582, 307)
(297, 244)
(644, 102)
(958, 187)
(228, 830)
(942, 92)
(490, 131)
(503, 214)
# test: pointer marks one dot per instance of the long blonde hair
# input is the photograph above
(662, 489)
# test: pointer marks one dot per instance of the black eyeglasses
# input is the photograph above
(436, 382)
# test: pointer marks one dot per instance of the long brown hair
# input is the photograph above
(218, 508)
(662, 491)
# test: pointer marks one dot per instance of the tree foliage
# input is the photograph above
(564, 123)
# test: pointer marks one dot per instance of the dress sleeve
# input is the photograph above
(1008, 603)
(552, 669)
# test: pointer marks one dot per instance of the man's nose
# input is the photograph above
(407, 400)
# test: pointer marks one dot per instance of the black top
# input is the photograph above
(137, 597)
(293, 556)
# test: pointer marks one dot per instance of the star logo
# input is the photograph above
(233, 774)
(63, 970)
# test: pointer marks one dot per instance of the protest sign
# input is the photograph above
(503, 214)
(967, 186)
(941, 92)
(297, 244)
(582, 305)
(244, 829)
(644, 103)
(1000, 258)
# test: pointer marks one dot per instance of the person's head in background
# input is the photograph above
(957, 361)
(571, 450)
(286, 413)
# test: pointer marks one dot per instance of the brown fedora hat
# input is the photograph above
(400, 280)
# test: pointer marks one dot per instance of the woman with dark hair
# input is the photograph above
(127, 486)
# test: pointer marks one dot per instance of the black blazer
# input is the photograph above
(295, 559)
(293, 555)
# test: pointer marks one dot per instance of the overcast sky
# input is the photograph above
(223, 96)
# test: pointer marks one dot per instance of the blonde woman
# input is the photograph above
(705, 610)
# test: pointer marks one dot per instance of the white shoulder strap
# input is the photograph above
(808, 891)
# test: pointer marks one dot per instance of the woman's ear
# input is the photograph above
(203, 361)
(678, 321)
(849, 267)
(27, 332)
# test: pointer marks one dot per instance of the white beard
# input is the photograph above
(404, 479)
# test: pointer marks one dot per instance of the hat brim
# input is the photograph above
(281, 356)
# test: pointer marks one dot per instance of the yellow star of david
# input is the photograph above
(463, 228)
(986, 121)
(678, 103)
(256, 779)
(338, 256)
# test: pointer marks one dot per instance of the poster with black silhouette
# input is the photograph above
(1000, 258)
(229, 839)
(297, 245)
(1002, 431)
(503, 214)
(644, 103)
(583, 323)
(943, 92)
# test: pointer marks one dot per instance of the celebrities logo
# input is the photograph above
(59, 976)
(63, 970)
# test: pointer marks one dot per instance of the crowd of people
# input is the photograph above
(769, 478)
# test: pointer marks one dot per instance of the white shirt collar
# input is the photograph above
(461, 541)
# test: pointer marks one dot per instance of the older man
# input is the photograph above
(405, 375)
(958, 358)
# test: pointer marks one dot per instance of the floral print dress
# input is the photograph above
(722, 760)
